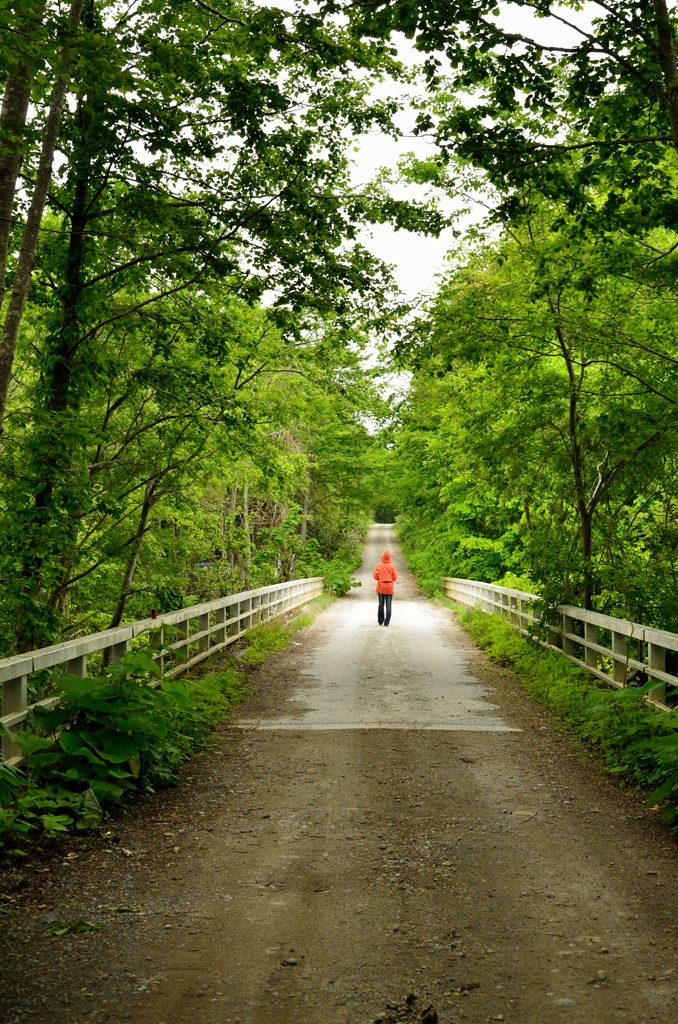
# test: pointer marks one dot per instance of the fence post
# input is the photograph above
(118, 651)
(14, 698)
(77, 666)
(522, 613)
(656, 658)
(220, 634)
(155, 641)
(591, 634)
(203, 624)
(619, 647)
(568, 644)
(183, 629)
(556, 637)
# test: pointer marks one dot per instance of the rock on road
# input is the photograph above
(385, 814)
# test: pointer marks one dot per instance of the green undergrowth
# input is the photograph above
(635, 741)
(113, 736)
(275, 635)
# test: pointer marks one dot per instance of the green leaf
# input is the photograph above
(73, 927)
(72, 743)
(117, 747)
(27, 742)
(662, 792)
(76, 688)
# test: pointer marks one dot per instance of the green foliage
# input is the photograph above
(536, 116)
(634, 740)
(534, 441)
(276, 635)
(172, 439)
(30, 812)
(72, 928)
(338, 579)
(114, 735)
(107, 738)
(264, 640)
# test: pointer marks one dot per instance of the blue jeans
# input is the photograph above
(384, 605)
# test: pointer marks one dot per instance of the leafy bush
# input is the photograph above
(112, 735)
(338, 579)
(106, 738)
(634, 739)
(28, 811)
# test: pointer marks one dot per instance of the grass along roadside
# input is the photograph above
(113, 736)
(635, 742)
(277, 634)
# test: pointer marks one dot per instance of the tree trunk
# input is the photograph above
(587, 552)
(234, 505)
(304, 517)
(53, 455)
(12, 134)
(58, 372)
(584, 510)
(246, 527)
(29, 241)
(585, 513)
(130, 568)
(667, 60)
(14, 111)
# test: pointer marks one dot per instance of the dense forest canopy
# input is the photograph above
(189, 402)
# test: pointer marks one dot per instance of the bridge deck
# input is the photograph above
(368, 826)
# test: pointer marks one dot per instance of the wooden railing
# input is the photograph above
(624, 650)
(197, 633)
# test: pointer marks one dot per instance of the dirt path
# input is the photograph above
(385, 814)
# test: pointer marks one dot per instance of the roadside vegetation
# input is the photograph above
(537, 445)
(634, 741)
(113, 736)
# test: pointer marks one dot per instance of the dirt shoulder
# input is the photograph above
(317, 877)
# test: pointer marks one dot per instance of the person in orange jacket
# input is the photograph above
(385, 573)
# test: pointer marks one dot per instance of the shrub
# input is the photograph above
(108, 737)
(338, 579)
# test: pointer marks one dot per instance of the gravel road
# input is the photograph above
(385, 816)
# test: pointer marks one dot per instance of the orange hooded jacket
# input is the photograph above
(385, 573)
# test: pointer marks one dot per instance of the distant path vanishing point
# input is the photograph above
(410, 675)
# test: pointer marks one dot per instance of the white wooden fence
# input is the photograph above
(197, 632)
(629, 647)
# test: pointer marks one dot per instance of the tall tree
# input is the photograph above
(548, 427)
(17, 94)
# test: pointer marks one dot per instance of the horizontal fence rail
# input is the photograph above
(197, 633)
(614, 650)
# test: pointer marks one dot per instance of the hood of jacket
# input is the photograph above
(386, 557)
